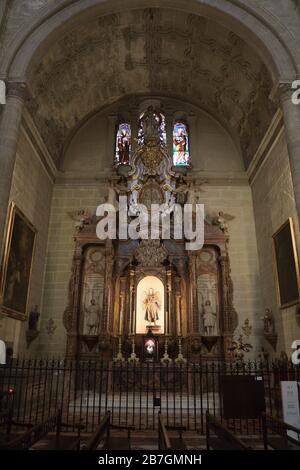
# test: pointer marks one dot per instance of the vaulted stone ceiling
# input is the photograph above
(150, 51)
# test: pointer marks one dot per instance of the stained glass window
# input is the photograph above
(181, 148)
(123, 143)
(160, 126)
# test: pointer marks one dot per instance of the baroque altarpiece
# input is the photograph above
(127, 295)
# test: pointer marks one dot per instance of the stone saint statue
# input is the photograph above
(152, 306)
(181, 190)
(269, 324)
(222, 220)
(92, 319)
(209, 318)
(33, 318)
(150, 124)
(81, 218)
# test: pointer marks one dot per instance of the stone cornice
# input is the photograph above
(16, 89)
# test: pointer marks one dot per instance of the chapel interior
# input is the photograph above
(160, 103)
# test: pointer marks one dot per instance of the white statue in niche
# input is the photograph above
(209, 319)
(92, 319)
(81, 218)
(152, 306)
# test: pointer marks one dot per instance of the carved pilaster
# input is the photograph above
(107, 292)
(230, 319)
(71, 313)
(122, 305)
(131, 301)
(169, 301)
(193, 292)
(178, 308)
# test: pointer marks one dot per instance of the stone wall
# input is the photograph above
(236, 200)
(31, 191)
(274, 203)
(67, 198)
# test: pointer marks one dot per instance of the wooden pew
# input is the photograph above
(164, 442)
(177, 443)
(103, 433)
(102, 430)
(6, 423)
(38, 436)
(278, 437)
(223, 439)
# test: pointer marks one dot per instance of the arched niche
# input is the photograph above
(150, 306)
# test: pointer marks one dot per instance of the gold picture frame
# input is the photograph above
(17, 264)
(287, 267)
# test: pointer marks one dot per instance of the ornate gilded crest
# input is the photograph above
(151, 155)
(150, 253)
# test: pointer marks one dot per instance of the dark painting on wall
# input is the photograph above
(286, 264)
(17, 264)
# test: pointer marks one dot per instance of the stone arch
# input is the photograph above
(272, 41)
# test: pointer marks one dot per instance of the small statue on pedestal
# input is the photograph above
(209, 318)
(269, 323)
(33, 320)
(269, 328)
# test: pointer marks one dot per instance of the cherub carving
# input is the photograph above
(221, 220)
(81, 218)
(239, 346)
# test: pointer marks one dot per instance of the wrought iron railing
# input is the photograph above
(135, 393)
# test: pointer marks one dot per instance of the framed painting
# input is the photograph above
(17, 264)
(286, 265)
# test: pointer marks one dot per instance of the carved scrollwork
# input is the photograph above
(151, 253)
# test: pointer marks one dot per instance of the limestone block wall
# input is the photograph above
(236, 200)
(67, 197)
(31, 190)
(273, 200)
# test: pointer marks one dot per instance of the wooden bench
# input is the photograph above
(34, 438)
(177, 443)
(164, 442)
(6, 423)
(275, 434)
(103, 433)
(223, 439)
